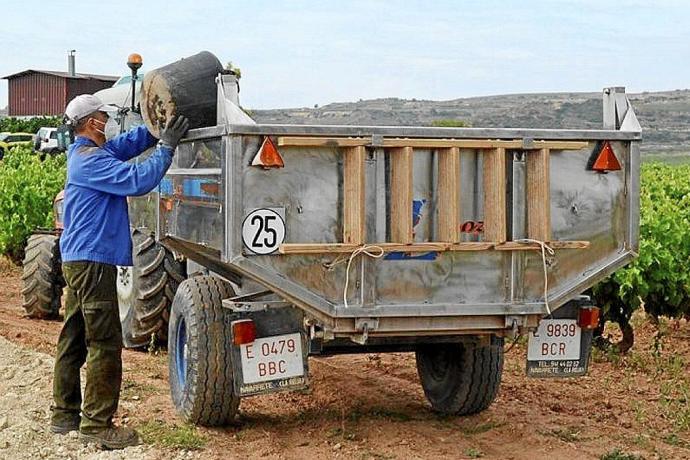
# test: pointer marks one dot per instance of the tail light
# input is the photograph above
(243, 331)
(588, 318)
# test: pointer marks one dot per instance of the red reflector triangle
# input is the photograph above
(606, 161)
(268, 156)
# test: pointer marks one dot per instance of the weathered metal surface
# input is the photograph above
(441, 133)
(191, 194)
(585, 206)
(417, 293)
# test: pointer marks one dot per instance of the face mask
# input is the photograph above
(99, 130)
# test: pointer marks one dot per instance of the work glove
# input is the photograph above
(173, 131)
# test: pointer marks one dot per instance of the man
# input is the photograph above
(96, 238)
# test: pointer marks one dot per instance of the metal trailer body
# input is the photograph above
(212, 187)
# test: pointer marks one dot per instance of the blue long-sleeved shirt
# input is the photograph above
(99, 180)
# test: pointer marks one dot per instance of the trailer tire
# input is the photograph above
(42, 277)
(146, 291)
(199, 353)
(461, 378)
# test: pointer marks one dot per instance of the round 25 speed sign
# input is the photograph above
(263, 231)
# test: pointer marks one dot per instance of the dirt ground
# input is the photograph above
(372, 406)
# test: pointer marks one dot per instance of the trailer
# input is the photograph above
(306, 240)
(266, 244)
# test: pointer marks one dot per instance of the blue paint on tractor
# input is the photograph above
(166, 186)
(417, 207)
(191, 187)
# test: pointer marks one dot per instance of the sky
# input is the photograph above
(302, 53)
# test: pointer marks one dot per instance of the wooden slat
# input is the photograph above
(448, 208)
(401, 195)
(559, 145)
(286, 141)
(538, 196)
(483, 144)
(353, 195)
(305, 141)
(516, 246)
(495, 195)
(316, 248)
(334, 248)
(340, 248)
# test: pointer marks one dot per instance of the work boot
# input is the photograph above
(113, 437)
(64, 426)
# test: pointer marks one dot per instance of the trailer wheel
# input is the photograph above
(461, 378)
(42, 277)
(199, 350)
(146, 290)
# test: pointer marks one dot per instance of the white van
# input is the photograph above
(46, 140)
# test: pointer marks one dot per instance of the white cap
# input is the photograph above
(84, 105)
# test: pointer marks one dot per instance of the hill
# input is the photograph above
(664, 116)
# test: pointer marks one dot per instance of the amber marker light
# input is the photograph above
(134, 60)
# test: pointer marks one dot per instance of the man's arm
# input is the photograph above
(130, 144)
(100, 171)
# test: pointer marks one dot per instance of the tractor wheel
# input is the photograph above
(146, 290)
(461, 378)
(42, 277)
(199, 350)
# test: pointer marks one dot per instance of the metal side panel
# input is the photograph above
(307, 194)
(443, 133)
(191, 197)
(588, 206)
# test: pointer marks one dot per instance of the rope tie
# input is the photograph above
(545, 249)
(370, 250)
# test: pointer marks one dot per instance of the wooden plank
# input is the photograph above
(287, 141)
(305, 141)
(341, 248)
(336, 248)
(559, 145)
(483, 144)
(435, 246)
(538, 195)
(517, 246)
(353, 195)
(450, 143)
(401, 195)
(448, 207)
(316, 248)
(495, 195)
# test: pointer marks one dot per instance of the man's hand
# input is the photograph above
(176, 127)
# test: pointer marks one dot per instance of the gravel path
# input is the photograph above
(25, 398)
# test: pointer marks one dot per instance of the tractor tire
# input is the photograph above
(146, 290)
(42, 277)
(199, 353)
(460, 378)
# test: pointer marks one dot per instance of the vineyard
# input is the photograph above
(658, 278)
(28, 186)
(16, 125)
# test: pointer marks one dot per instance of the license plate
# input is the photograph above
(555, 349)
(272, 358)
